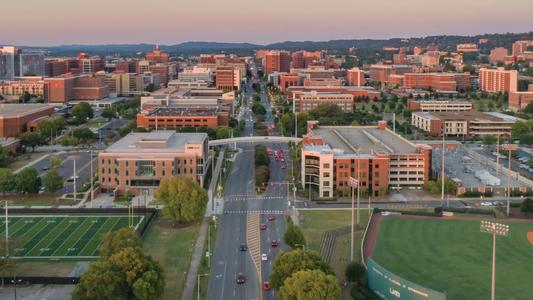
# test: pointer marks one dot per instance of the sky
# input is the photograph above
(61, 22)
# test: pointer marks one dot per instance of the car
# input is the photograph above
(72, 178)
(283, 166)
(240, 278)
(45, 168)
(266, 286)
(264, 257)
(262, 226)
(270, 217)
(274, 244)
(243, 247)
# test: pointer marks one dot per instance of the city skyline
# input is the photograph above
(170, 22)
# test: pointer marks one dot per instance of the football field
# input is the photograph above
(61, 236)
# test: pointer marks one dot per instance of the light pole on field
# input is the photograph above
(495, 229)
(510, 148)
(198, 283)
(354, 183)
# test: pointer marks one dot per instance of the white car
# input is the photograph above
(264, 257)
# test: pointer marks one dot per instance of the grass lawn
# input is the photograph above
(315, 222)
(172, 247)
(204, 265)
(44, 268)
(36, 200)
(487, 104)
(25, 159)
(455, 257)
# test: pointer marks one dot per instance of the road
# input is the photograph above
(241, 201)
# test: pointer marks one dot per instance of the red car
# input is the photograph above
(262, 226)
(266, 286)
(270, 217)
(274, 244)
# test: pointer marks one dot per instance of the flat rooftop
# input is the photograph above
(468, 115)
(19, 110)
(182, 111)
(368, 139)
(161, 141)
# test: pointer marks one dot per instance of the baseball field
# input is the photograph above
(453, 256)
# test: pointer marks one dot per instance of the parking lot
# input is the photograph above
(460, 166)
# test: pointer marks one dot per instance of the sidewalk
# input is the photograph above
(197, 254)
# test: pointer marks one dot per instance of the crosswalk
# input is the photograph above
(271, 212)
(251, 198)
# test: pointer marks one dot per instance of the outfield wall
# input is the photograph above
(388, 285)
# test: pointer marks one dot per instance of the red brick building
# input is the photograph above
(276, 61)
(167, 117)
(227, 78)
(498, 80)
(16, 118)
(355, 76)
(66, 88)
(287, 80)
(442, 82)
(157, 56)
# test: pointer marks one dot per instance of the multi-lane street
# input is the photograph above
(237, 225)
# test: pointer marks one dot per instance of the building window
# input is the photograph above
(145, 168)
(326, 166)
(326, 174)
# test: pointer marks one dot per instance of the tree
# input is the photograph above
(55, 161)
(489, 140)
(223, 133)
(527, 205)
(82, 112)
(526, 139)
(7, 180)
(28, 181)
(529, 108)
(122, 272)
(52, 181)
(287, 263)
(310, 285)
(520, 128)
(109, 114)
(293, 236)
(150, 88)
(84, 135)
(114, 241)
(5, 157)
(261, 156)
(32, 139)
(355, 272)
(51, 126)
(183, 197)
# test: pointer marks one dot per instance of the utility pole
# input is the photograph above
(75, 181)
(498, 155)
(91, 178)
(510, 148)
(354, 183)
(7, 230)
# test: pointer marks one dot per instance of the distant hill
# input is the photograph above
(445, 42)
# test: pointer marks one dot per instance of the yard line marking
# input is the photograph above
(43, 240)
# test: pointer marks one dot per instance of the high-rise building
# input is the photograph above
(355, 76)
(31, 63)
(9, 60)
(441, 82)
(157, 56)
(519, 47)
(277, 61)
(498, 80)
(498, 55)
(227, 78)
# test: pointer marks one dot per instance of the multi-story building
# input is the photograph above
(374, 155)
(90, 64)
(498, 80)
(125, 84)
(440, 82)
(355, 77)
(467, 48)
(171, 117)
(464, 123)
(277, 61)
(380, 72)
(196, 74)
(84, 87)
(355, 91)
(31, 63)
(157, 56)
(17, 118)
(54, 67)
(439, 105)
(307, 101)
(302, 59)
(322, 82)
(287, 80)
(227, 78)
(520, 47)
(32, 85)
(139, 161)
(519, 100)
(162, 70)
(126, 66)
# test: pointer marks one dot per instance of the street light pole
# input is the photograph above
(199, 277)
(209, 244)
(495, 229)
(74, 177)
(7, 231)
(91, 178)
(510, 148)
(353, 184)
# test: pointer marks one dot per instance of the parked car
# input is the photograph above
(264, 257)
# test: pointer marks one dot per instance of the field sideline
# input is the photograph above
(454, 257)
(56, 236)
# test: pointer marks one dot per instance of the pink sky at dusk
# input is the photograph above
(54, 22)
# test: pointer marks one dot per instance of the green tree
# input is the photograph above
(526, 139)
(261, 156)
(310, 285)
(114, 241)
(52, 181)
(355, 272)
(69, 140)
(223, 133)
(81, 113)
(183, 197)
(520, 128)
(7, 180)
(84, 135)
(109, 114)
(527, 205)
(258, 109)
(28, 181)
(51, 126)
(489, 140)
(529, 108)
(32, 139)
(294, 236)
(150, 88)
(55, 162)
(5, 157)
(287, 263)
